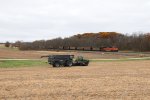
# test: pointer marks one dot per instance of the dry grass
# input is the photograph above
(128, 80)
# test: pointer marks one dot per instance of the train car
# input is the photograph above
(61, 48)
(66, 48)
(73, 48)
(96, 49)
(80, 48)
(87, 48)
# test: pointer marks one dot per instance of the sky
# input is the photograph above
(29, 20)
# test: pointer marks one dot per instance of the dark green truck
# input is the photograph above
(66, 60)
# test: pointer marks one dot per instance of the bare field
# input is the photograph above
(10, 53)
(106, 80)
(119, 80)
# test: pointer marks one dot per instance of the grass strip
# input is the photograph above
(21, 63)
(122, 59)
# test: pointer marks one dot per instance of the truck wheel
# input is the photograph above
(82, 64)
(69, 64)
(56, 64)
(86, 64)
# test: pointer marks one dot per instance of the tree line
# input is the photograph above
(134, 42)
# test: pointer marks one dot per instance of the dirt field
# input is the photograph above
(10, 53)
(127, 80)
(119, 80)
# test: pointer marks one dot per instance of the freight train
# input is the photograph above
(104, 49)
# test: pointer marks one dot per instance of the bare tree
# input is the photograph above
(135, 42)
(7, 44)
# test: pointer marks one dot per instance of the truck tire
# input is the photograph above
(56, 64)
(69, 64)
(85, 64)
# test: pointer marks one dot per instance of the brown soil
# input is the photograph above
(128, 80)
(14, 53)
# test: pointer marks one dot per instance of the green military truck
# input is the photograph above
(66, 60)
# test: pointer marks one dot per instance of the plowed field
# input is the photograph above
(128, 80)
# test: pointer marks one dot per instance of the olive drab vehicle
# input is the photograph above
(66, 60)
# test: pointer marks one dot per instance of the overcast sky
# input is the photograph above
(29, 20)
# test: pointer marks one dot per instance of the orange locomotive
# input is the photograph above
(109, 49)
